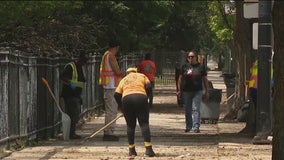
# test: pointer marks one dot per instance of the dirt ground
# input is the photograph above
(219, 141)
(216, 141)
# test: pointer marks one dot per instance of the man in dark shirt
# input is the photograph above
(73, 82)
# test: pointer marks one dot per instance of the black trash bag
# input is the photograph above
(215, 95)
(229, 79)
(243, 112)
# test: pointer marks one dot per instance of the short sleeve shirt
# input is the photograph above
(148, 68)
(133, 83)
(192, 77)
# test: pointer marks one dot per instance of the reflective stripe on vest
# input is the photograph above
(106, 73)
(253, 82)
(253, 79)
(75, 75)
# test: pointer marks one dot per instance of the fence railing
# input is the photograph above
(166, 63)
(26, 108)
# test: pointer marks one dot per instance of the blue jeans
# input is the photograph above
(192, 101)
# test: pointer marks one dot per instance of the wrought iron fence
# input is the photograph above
(28, 111)
(166, 62)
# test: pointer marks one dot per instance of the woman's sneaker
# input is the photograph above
(132, 152)
(149, 152)
(196, 131)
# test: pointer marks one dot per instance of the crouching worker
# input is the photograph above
(73, 82)
(131, 97)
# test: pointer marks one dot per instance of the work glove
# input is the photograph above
(118, 98)
(81, 99)
(120, 107)
(72, 85)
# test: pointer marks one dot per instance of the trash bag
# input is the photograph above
(215, 95)
(243, 112)
(210, 109)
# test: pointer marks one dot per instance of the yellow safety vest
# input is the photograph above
(106, 73)
(75, 76)
(253, 79)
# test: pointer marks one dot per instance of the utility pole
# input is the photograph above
(263, 116)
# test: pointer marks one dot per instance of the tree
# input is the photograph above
(222, 25)
(234, 31)
(242, 54)
(278, 101)
(71, 27)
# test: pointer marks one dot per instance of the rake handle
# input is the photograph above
(104, 127)
(45, 82)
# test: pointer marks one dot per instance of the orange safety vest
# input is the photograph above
(75, 75)
(106, 73)
(253, 78)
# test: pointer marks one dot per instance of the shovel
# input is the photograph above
(66, 121)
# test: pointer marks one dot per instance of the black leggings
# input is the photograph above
(150, 95)
(136, 107)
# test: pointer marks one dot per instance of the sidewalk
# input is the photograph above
(216, 141)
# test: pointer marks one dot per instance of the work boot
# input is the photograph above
(75, 136)
(110, 138)
(132, 152)
(149, 152)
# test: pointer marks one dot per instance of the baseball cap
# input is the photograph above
(131, 69)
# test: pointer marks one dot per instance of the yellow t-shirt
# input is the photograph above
(133, 83)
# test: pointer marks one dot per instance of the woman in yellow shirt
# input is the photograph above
(131, 97)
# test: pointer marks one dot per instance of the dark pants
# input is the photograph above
(253, 110)
(72, 107)
(253, 95)
(151, 94)
(136, 107)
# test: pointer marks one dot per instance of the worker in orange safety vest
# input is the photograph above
(110, 75)
(252, 85)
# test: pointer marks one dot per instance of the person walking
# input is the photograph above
(110, 75)
(192, 83)
(73, 82)
(131, 96)
(148, 68)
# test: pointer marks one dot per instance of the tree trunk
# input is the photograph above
(242, 58)
(278, 65)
